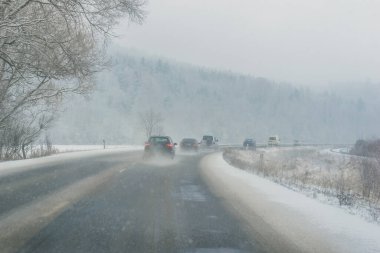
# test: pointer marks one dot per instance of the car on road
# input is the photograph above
(249, 144)
(274, 140)
(209, 141)
(161, 146)
(189, 144)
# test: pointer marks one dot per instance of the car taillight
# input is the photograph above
(147, 144)
(169, 145)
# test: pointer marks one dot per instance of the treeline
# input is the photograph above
(195, 101)
(369, 148)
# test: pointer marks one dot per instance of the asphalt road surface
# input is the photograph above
(117, 203)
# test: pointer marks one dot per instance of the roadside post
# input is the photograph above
(261, 161)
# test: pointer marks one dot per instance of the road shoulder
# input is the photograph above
(287, 221)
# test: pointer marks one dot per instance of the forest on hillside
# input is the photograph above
(195, 100)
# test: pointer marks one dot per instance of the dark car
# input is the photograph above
(189, 144)
(249, 144)
(160, 145)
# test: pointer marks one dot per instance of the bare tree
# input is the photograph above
(33, 131)
(151, 122)
(49, 48)
(19, 135)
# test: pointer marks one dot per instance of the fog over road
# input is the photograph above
(118, 203)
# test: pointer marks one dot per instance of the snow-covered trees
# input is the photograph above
(49, 48)
(197, 101)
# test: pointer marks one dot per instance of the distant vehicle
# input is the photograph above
(296, 143)
(249, 144)
(159, 145)
(274, 140)
(189, 144)
(209, 141)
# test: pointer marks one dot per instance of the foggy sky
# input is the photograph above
(307, 42)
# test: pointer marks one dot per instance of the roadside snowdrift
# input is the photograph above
(72, 152)
(350, 182)
(284, 220)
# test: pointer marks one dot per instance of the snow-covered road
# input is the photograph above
(286, 220)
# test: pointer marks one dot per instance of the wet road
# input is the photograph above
(22, 188)
(155, 206)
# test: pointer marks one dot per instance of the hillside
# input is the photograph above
(195, 100)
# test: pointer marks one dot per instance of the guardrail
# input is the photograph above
(262, 145)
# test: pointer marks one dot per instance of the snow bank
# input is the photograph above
(332, 178)
(69, 152)
(275, 212)
(72, 148)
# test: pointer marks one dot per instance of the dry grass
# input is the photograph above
(350, 180)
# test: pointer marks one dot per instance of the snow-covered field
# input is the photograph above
(287, 220)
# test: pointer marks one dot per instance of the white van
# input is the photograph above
(209, 141)
(274, 140)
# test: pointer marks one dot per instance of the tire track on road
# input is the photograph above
(20, 225)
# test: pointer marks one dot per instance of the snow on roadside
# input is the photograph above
(66, 152)
(72, 148)
(311, 225)
(330, 177)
